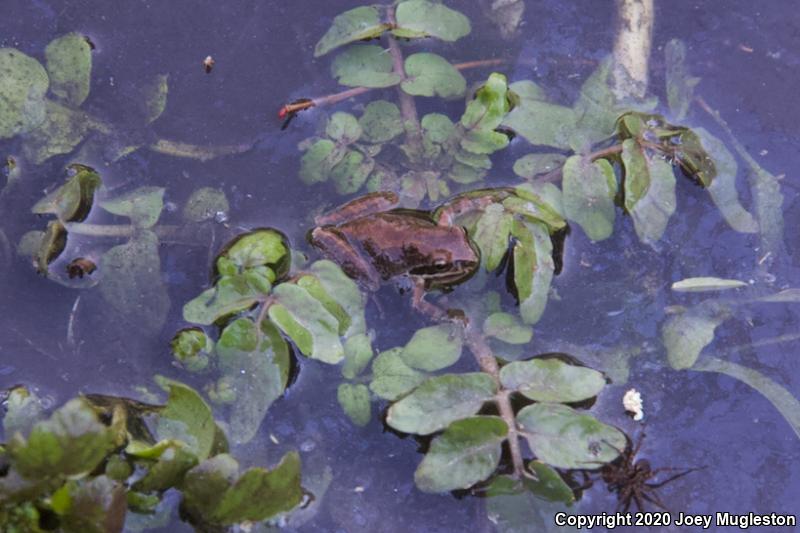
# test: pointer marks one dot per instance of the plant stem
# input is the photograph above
(408, 109)
(334, 98)
(555, 175)
(488, 363)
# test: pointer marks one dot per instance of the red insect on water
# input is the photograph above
(290, 110)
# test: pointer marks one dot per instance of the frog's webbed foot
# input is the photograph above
(339, 250)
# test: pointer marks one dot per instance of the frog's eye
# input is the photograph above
(440, 264)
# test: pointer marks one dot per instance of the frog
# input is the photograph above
(374, 241)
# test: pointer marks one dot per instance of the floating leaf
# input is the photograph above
(94, 505)
(467, 452)
(317, 161)
(542, 123)
(534, 208)
(61, 131)
(260, 247)
(552, 380)
(305, 320)
(441, 400)
(433, 348)
(686, 334)
(423, 18)
(723, 187)
(212, 493)
(784, 296)
(155, 97)
(783, 400)
(206, 203)
(352, 172)
(71, 443)
(437, 128)
(256, 365)
(649, 191)
(230, 295)
(491, 235)
(365, 66)
(72, 201)
(191, 348)
(483, 115)
(357, 355)
(69, 65)
(354, 399)
(353, 25)
(564, 438)
(532, 165)
(344, 291)
(680, 85)
(173, 461)
(23, 410)
(22, 88)
(391, 377)
(528, 90)
(549, 484)
(343, 128)
(381, 122)
(589, 189)
(315, 289)
(596, 109)
(507, 328)
(132, 283)
(533, 268)
(706, 284)
(143, 205)
(432, 75)
(52, 243)
(187, 418)
(506, 15)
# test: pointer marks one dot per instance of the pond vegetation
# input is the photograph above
(505, 422)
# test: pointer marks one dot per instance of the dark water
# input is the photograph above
(611, 294)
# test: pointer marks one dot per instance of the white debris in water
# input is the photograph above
(632, 402)
(358, 489)
(274, 439)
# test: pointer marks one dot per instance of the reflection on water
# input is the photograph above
(610, 294)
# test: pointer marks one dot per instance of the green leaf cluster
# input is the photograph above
(467, 446)
(98, 459)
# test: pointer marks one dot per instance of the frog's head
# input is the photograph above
(451, 264)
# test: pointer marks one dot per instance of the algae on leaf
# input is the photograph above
(22, 88)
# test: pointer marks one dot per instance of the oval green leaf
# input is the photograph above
(69, 64)
(432, 75)
(589, 189)
(564, 438)
(441, 400)
(466, 453)
(353, 25)
(365, 66)
(552, 380)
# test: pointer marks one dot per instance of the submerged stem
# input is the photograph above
(488, 363)
(408, 109)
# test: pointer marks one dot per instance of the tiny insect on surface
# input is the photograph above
(634, 481)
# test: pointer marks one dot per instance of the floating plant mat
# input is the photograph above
(498, 417)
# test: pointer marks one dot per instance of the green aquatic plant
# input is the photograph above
(98, 461)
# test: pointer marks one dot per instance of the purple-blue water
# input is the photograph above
(610, 294)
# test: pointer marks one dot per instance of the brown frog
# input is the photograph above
(373, 241)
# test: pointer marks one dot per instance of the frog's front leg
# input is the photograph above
(339, 250)
(418, 301)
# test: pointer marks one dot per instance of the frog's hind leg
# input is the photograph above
(339, 250)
